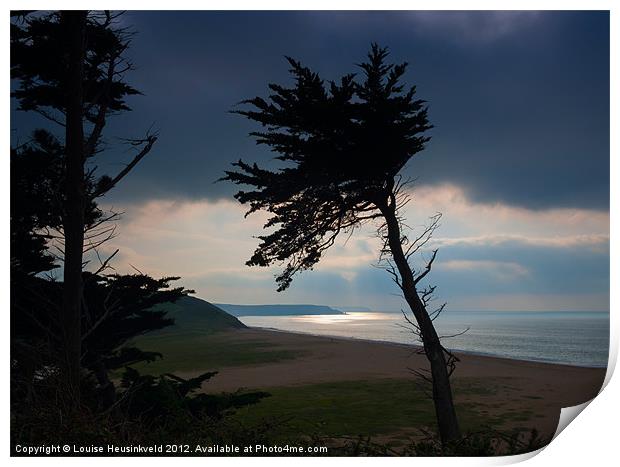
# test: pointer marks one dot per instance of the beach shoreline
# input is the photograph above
(325, 358)
(509, 393)
(314, 378)
(455, 351)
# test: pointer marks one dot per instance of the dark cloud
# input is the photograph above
(520, 102)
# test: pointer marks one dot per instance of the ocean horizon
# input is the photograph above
(563, 337)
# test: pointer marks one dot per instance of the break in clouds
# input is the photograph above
(491, 256)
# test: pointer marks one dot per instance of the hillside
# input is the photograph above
(195, 314)
(277, 310)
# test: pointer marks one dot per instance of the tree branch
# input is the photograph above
(150, 141)
(427, 269)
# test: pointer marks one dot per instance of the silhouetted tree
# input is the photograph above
(115, 309)
(35, 167)
(159, 398)
(343, 145)
(70, 67)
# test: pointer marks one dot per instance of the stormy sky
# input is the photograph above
(518, 162)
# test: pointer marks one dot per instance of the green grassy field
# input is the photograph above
(205, 351)
(196, 343)
(344, 408)
(396, 407)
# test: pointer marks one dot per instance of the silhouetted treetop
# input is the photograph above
(342, 143)
(39, 61)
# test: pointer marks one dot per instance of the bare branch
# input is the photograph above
(136, 269)
(102, 101)
(435, 314)
(108, 312)
(455, 335)
(427, 295)
(427, 269)
(49, 117)
(105, 264)
(150, 141)
(424, 237)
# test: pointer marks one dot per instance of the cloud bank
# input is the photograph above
(491, 256)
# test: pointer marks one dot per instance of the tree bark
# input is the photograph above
(106, 386)
(442, 393)
(74, 26)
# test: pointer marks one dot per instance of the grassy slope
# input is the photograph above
(194, 314)
(195, 342)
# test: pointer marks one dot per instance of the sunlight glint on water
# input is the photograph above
(574, 338)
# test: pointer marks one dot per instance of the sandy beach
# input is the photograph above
(501, 385)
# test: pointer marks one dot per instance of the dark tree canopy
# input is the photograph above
(39, 61)
(35, 169)
(39, 64)
(342, 144)
(37, 172)
(119, 308)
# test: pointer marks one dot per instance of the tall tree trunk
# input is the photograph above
(74, 26)
(442, 392)
(106, 386)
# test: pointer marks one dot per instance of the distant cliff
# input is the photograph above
(347, 309)
(277, 310)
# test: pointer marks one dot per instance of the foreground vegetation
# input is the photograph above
(369, 417)
(393, 409)
(364, 417)
(188, 351)
(374, 412)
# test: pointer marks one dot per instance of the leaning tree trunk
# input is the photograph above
(74, 26)
(442, 392)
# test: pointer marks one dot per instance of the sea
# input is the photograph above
(570, 338)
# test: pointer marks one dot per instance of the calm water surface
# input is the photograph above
(573, 338)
